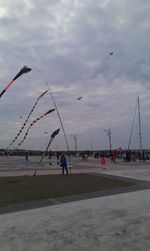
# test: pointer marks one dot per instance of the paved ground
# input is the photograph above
(119, 222)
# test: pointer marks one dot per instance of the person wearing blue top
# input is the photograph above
(63, 164)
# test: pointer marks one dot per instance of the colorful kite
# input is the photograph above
(24, 124)
(33, 122)
(51, 139)
(79, 98)
(24, 69)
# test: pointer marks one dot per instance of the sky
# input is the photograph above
(67, 44)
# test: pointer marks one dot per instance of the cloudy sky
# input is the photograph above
(67, 43)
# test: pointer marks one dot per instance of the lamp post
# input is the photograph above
(109, 136)
(75, 141)
(46, 137)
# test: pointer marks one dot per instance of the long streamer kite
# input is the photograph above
(33, 122)
(24, 124)
(24, 69)
(51, 139)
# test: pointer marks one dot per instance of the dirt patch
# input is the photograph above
(28, 188)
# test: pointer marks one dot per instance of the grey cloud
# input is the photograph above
(69, 41)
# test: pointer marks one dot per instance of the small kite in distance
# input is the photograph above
(110, 54)
(98, 71)
(79, 98)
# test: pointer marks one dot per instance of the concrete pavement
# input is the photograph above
(118, 222)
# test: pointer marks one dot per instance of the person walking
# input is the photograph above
(63, 164)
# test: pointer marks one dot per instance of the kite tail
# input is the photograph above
(46, 149)
(51, 139)
(26, 134)
(24, 124)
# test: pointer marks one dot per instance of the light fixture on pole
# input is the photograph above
(46, 137)
(75, 141)
(109, 136)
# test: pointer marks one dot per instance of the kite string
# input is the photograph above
(58, 114)
(62, 126)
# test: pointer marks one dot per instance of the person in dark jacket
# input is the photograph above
(63, 164)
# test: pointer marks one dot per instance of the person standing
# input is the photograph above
(102, 161)
(114, 155)
(63, 164)
(27, 156)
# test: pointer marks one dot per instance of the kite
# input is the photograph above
(110, 54)
(24, 69)
(24, 124)
(79, 98)
(102, 65)
(33, 122)
(51, 139)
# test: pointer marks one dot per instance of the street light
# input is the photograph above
(75, 141)
(46, 137)
(109, 136)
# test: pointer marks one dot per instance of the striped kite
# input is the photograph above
(24, 69)
(33, 122)
(51, 139)
(24, 124)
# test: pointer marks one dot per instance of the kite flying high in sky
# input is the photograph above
(79, 98)
(24, 69)
(103, 63)
(110, 54)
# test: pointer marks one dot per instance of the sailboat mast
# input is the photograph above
(139, 117)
